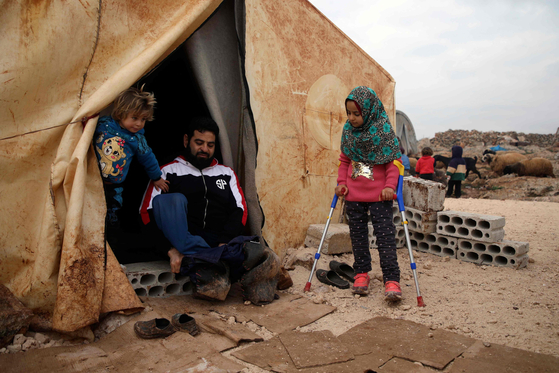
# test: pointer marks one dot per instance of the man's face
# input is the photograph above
(202, 144)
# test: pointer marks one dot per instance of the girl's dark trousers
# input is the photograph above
(384, 230)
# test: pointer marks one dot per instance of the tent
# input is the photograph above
(406, 133)
(273, 74)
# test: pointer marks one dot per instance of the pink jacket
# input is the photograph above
(363, 189)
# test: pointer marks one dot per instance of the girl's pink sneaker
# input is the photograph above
(361, 284)
(392, 291)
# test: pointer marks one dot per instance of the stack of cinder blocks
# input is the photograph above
(470, 237)
(155, 279)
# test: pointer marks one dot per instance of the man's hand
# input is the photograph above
(161, 184)
(176, 260)
(341, 190)
(387, 194)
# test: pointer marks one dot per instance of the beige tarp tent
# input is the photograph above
(273, 74)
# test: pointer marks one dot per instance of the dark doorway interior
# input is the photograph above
(178, 100)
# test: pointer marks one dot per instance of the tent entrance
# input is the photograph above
(202, 77)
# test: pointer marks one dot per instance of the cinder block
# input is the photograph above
(155, 279)
(477, 227)
(512, 254)
(421, 221)
(424, 195)
(433, 243)
(336, 241)
(400, 237)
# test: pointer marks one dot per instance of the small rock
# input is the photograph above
(465, 330)
(231, 320)
(406, 307)
(41, 338)
(29, 344)
(14, 348)
(487, 344)
(446, 259)
(3, 350)
(19, 339)
(451, 327)
(418, 363)
(430, 335)
(247, 303)
(357, 296)
(531, 260)
(492, 321)
(427, 266)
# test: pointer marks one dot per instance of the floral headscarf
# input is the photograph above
(375, 141)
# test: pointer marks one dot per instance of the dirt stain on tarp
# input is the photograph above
(80, 289)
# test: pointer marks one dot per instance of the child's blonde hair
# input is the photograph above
(426, 151)
(134, 101)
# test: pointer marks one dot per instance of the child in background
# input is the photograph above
(425, 166)
(405, 161)
(120, 137)
(456, 172)
(367, 178)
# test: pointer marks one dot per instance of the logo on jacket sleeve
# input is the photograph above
(221, 183)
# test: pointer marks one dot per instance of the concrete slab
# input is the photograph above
(269, 355)
(462, 365)
(407, 340)
(397, 365)
(511, 358)
(286, 313)
(315, 349)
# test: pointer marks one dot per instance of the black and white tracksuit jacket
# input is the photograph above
(216, 203)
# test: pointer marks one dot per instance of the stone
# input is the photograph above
(336, 240)
(14, 316)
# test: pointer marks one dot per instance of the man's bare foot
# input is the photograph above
(175, 259)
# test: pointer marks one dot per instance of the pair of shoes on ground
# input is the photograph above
(161, 328)
(392, 290)
(339, 275)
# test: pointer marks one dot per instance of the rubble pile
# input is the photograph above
(491, 138)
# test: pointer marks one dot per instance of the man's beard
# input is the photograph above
(199, 163)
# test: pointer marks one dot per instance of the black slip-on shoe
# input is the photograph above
(331, 278)
(344, 270)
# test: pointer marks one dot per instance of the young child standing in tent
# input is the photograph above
(367, 178)
(456, 172)
(120, 137)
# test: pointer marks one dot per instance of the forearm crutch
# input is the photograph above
(317, 255)
(402, 208)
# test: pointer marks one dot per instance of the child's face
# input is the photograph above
(134, 122)
(353, 115)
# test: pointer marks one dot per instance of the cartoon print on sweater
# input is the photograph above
(111, 152)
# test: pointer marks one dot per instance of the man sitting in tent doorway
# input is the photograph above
(202, 218)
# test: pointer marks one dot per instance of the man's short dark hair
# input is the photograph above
(202, 124)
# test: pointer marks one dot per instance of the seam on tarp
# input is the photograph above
(93, 53)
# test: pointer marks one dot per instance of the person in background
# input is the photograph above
(425, 166)
(456, 172)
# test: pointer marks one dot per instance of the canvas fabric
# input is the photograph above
(65, 61)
